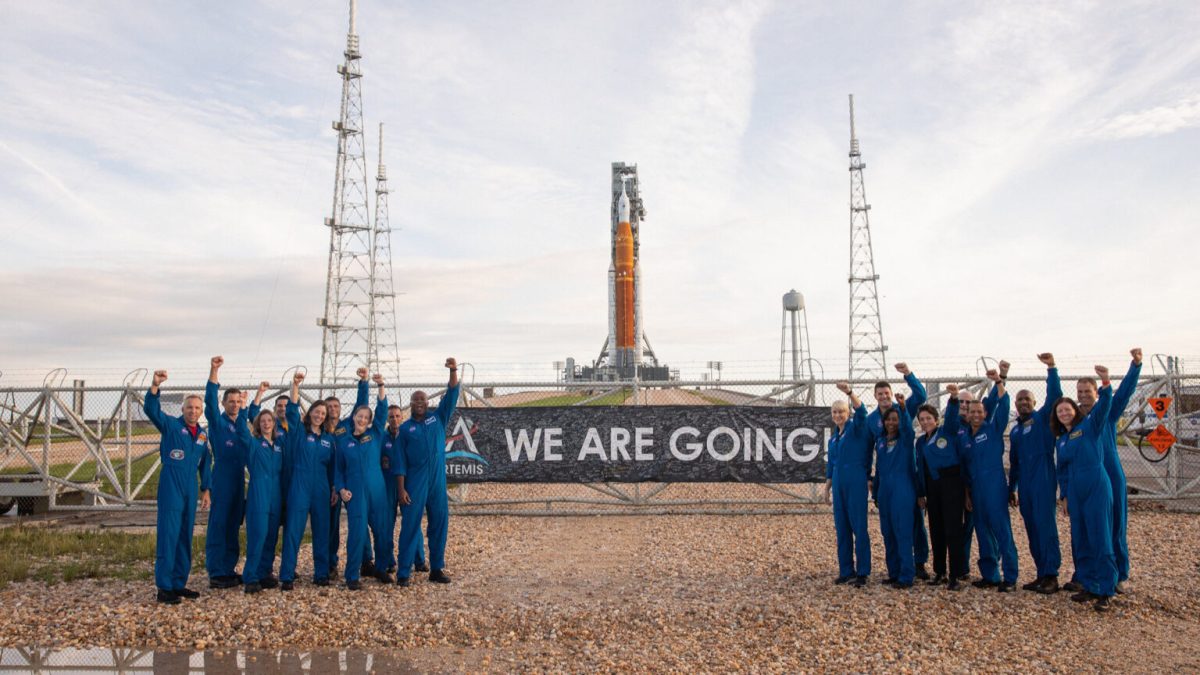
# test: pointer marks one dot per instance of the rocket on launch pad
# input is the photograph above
(627, 351)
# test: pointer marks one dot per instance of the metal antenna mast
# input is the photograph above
(868, 353)
(346, 325)
(385, 354)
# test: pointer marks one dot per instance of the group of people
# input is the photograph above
(951, 465)
(304, 467)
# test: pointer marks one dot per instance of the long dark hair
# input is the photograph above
(308, 416)
(1056, 425)
(888, 413)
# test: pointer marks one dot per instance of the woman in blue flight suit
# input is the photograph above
(942, 466)
(310, 492)
(1088, 492)
(847, 473)
(896, 487)
(358, 480)
(264, 459)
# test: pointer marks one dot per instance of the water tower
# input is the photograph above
(795, 361)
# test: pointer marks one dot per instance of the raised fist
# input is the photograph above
(298, 377)
(243, 397)
(952, 389)
(993, 375)
(1136, 353)
(451, 363)
(903, 368)
(899, 399)
(217, 361)
(844, 387)
(1047, 358)
(263, 386)
(377, 379)
(362, 373)
(1004, 366)
(1102, 372)
(160, 376)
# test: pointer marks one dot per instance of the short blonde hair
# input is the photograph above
(838, 405)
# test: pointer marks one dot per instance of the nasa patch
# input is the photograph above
(430, 420)
(365, 439)
(1076, 434)
(941, 443)
(311, 438)
(324, 443)
(177, 454)
(981, 438)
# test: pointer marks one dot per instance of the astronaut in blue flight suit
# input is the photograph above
(358, 480)
(1085, 486)
(221, 545)
(1086, 391)
(337, 426)
(984, 444)
(883, 400)
(896, 486)
(264, 499)
(847, 473)
(310, 490)
(184, 455)
(391, 449)
(420, 472)
(1032, 481)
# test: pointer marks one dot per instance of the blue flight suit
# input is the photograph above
(422, 461)
(1116, 473)
(221, 545)
(896, 487)
(390, 457)
(285, 475)
(987, 563)
(356, 468)
(264, 499)
(989, 491)
(184, 455)
(917, 397)
(942, 466)
(1084, 482)
(848, 469)
(335, 512)
(1031, 473)
(308, 496)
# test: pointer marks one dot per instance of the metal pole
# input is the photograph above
(795, 349)
(128, 446)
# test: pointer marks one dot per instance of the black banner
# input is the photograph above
(633, 444)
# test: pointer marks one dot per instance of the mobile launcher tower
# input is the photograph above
(626, 353)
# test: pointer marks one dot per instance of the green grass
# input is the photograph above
(615, 398)
(87, 473)
(55, 556)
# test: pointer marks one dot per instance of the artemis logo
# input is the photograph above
(462, 431)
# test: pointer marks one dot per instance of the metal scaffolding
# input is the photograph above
(868, 352)
(349, 303)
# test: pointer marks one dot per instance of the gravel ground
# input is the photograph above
(666, 593)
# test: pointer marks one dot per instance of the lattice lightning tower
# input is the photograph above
(385, 353)
(868, 353)
(346, 325)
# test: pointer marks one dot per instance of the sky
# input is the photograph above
(165, 169)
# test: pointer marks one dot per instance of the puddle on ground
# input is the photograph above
(125, 660)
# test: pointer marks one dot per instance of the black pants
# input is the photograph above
(946, 504)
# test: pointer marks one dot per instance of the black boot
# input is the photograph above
(922, 573)
(1082, 596)
(1034, 585)
(841, 580)
(860, 582)
(252, 588)
(422, 566)
(1103, 604)
(439, 577)
(984, 583)
(1049, 586)
(269, 581)
(186, 593)
(167, 597)
(937, 580)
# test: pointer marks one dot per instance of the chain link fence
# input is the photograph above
(92, 448)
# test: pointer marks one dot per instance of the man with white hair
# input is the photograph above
(184, 455)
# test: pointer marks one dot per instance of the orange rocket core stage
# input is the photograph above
(624, 283)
